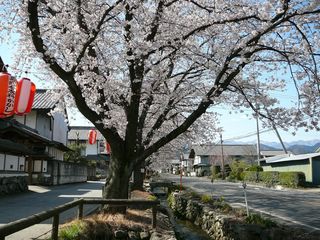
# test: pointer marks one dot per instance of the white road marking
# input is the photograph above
(281, 217)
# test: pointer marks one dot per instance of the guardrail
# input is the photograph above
(54, 213)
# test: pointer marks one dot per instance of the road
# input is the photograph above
(296, 207)
(39, 199)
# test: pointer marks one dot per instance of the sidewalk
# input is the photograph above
(41, 198)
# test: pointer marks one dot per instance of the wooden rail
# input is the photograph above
(54, 213)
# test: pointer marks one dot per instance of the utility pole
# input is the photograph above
(282, 144)
(222, 157)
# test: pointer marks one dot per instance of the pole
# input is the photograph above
(278, 135)
(222, 157)
(244, 185)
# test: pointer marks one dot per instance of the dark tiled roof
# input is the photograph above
(229, 150)
(44, 99)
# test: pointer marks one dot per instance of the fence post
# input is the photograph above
(154, 216)
(55, 227)
(80, 209)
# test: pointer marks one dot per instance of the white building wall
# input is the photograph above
(37, 166)
(197, 159)
(11, 163)
(21, 163)
(28, 120)
(44, 125)
(1, 161)
(31, 119)
(91, 148)
(44, 166)
(60, 128)
(19, 119)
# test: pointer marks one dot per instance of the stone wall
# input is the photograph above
(221, 226)
(60, 172)
(15, 184)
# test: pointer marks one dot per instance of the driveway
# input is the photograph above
(38, 199)
(294, 207)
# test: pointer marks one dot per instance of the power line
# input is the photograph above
(247, 135)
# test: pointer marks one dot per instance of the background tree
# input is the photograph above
(76, 154)
(144, 71)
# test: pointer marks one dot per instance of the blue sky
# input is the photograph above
(234, 125)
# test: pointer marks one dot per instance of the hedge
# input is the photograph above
(251, 176)
(292, 179)
(271, 178)
(255, 168)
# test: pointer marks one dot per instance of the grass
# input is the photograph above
(206, 199)
(260, 220)
(72, 231)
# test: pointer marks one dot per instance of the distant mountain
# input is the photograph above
(300, 149)
(296, 147)
(264, 147)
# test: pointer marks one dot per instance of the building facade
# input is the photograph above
(33, 145)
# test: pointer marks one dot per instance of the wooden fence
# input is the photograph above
(54, 213)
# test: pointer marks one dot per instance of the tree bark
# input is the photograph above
(117, 183)
(138, 177)
(116, 186)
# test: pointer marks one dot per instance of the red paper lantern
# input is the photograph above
(92, 136)
(24, 96)
(108, 148)
(7, 93)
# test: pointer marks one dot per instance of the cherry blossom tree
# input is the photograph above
(145, 71)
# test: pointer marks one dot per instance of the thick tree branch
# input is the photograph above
(67, 77)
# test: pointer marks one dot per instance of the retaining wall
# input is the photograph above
(223, 226)
(15, 184)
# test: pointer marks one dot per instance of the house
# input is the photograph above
(204, 156)
(93, 152)
(214, 154)
(309, 164)
(34, 145)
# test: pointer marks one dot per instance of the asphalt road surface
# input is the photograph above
(38, 199)
(293, 207)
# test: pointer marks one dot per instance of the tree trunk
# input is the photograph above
(117, 182)
(138, 177)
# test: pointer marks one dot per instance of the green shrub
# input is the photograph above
(292, 179)
(170, 200)
(237, 168)
(258, 219)
(251, 176)
(215, 172)
(227, 169)
(270, 178)
(226, 208)
(255, 168)
(174, 188)
(206, 198)
(194, 194)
